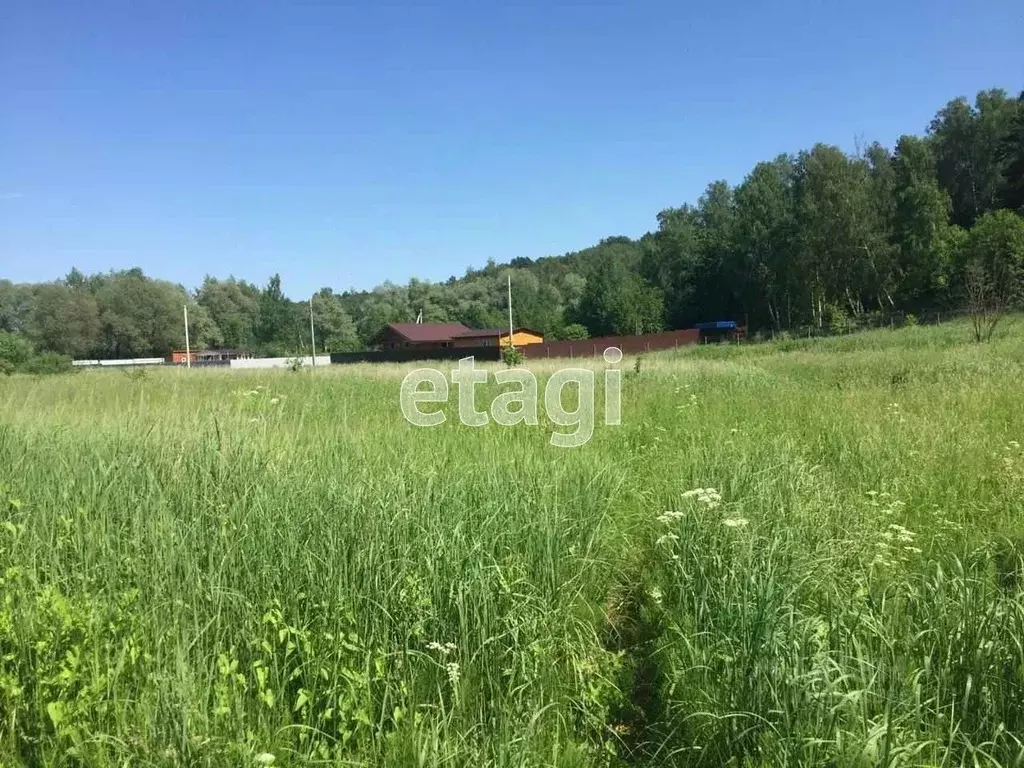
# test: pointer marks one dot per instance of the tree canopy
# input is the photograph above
(810, 238)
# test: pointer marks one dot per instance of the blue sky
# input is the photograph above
(345, 144)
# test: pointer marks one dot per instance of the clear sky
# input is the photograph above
(344, 144)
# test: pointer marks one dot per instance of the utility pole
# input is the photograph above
(188, 348)
(312, 332)
(510, 329)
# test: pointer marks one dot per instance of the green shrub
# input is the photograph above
(574, 332)
(48, 363)
(15, 351)
(511, 356)
(837, 318)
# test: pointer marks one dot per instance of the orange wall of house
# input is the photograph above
(522, 338)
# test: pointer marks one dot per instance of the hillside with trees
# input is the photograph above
(821, 238)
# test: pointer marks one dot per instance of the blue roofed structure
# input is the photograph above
(716, 325)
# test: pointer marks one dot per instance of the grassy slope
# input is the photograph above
(202, 567)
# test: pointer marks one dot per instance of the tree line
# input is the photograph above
(821, 238)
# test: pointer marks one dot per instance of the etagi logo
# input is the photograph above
(518, 405)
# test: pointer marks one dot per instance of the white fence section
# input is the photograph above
(121, 363)
(280, 362)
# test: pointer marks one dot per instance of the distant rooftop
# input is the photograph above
(425, 332)
(436, 332)
(716, 325)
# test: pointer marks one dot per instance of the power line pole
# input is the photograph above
(188, 348)
(312, 332)
(510, 330)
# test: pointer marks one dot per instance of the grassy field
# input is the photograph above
(251, 568)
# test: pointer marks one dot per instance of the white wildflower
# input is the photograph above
(443, 648)
(709, 497)
(901, 533)
(668, 537)
(452, 668)
(265, 758)
(669, 516)
(735, 522)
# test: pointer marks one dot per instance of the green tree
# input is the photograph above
(718, 291)
(995, 245)
(139, 317)
(204, 333)
(64, 320)
(335, 329)
(764, 243)
(278, 327)
(381, 308)
(618, 301)
(1012, 157)
(920, 223)
(969, 144)
(234, 308)
(843, 242)
(671, 262)
(15, 351)
(15, 306)
(573, 332)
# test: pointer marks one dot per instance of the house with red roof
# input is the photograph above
(446, 335)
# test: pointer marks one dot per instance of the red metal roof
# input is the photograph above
(428, 331)
(483, 333)
(435, 332)
(488, 332)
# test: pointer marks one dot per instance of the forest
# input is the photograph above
(818, 239)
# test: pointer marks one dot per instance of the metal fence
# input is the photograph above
(279, 362)
(411, 355)
(867, 322)
(647, 342)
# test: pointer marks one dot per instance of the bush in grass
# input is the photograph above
(511, 356)
(837, 318)
(48, 363)
(15, 351)
(574, 332)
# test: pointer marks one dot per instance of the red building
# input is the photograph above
(445, 335)
(208, 356)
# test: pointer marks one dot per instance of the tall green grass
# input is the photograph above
(229, 568)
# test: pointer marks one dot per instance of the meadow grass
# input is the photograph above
(263, 567)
